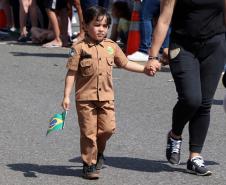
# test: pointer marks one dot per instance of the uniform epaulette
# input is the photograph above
(108, 40)
(80, 41)
(78, 44)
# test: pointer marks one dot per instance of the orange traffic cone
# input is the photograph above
(3, 21)
(133, 41)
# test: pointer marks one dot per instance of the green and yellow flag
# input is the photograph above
(57, 122)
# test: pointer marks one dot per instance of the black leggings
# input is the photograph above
(196, 68)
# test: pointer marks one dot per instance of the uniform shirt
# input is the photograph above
(198, 19)
(94, 64)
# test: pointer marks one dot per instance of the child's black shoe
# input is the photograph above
(90, 172)
(100, 161)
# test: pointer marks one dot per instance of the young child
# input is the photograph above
(90, 66)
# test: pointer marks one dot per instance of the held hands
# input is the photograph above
(66, 103)
(151, 67)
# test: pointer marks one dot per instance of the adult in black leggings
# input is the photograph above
(197, 52)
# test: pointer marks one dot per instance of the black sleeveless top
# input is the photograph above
(198, 19)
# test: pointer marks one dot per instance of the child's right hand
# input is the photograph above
(66, 103)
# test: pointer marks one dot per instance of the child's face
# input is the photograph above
(97, 29)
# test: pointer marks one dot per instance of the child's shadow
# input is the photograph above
(143, 165)
(137, 164)
(30, 170)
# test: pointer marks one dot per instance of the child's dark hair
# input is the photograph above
(95, 12)
(123, 9)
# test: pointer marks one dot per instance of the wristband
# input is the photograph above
(153, 58)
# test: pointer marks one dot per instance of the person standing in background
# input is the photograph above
(88, 3)
(27, 7)
(15, 12)
(149, 13)
(81, 34)
(121, 14)
(59, 25)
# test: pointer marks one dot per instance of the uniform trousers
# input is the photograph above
(97, 124)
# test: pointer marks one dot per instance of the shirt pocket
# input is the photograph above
(86, 66)
(174, 52)
(110, 62)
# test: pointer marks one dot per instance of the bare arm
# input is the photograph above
(166, 12)
(160, 31)
(134, 67)
(69, 83)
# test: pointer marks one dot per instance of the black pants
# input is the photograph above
(88, 3)
(15, 7)
(41, 6)
(55, 4)
(196, 67)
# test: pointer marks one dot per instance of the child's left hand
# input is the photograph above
(66, 103)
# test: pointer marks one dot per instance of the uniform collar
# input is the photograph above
(91, 44)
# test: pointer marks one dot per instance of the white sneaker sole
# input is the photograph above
(208, 173)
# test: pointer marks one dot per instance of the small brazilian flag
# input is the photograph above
(57, 122)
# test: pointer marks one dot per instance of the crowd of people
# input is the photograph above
(49, 22)
(189, 35)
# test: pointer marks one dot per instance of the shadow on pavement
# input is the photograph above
(76, 160)
(30, 170)
(143, 165)
(24, 54)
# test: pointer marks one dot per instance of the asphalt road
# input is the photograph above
(31, 89)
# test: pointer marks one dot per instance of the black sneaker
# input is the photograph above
(90, 172)
(173, 150)
(100, 161)
(196, 166)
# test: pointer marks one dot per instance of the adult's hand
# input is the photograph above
(152, 66)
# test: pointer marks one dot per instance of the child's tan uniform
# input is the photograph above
(94, 93)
